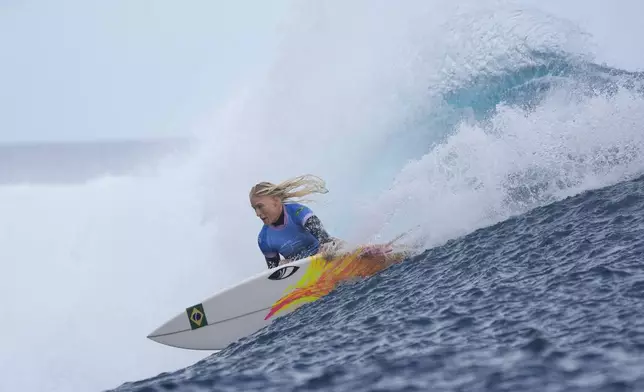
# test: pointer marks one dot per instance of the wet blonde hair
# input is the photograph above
(293, 188)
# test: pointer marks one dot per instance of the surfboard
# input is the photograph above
(254, 303)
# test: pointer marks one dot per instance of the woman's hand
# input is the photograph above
(330, 249)
(284, 261)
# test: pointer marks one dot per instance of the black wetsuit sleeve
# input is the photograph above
(273, 261)
(314, 226)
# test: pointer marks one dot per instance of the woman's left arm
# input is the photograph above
(314, 226)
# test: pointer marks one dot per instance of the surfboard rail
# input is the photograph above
(244, 308)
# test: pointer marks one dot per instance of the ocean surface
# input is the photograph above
(490, 131)
(551, 300)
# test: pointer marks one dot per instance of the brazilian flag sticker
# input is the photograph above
(197, 316)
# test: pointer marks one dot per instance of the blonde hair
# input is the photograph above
(293, 188)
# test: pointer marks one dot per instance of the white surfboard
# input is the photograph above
(254, 303)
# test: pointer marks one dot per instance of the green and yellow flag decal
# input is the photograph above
(197, 316)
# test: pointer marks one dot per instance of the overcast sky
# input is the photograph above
(78, 69)
(85, 70)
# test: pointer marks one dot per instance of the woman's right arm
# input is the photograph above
(272, 261)
(272, 257)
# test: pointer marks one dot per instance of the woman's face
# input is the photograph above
(267, 208)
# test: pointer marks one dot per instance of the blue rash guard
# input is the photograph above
(291, 239)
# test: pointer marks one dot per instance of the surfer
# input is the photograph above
(290, 229)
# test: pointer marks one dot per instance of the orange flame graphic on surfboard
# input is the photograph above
(322, 276)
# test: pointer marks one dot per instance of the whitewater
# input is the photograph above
(489, 130)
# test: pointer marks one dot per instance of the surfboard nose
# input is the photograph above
(179, 323)
(155, 334)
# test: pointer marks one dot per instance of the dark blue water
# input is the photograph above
(552, 300)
